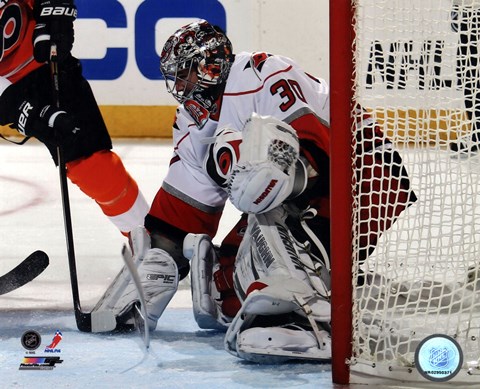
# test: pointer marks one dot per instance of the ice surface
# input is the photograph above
(182, 356)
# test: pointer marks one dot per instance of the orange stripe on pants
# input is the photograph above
(103, 177)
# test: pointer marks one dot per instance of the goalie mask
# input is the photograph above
(195, 62)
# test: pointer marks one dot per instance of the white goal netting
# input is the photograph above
(418, 75)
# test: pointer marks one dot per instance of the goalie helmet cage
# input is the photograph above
(413, 66)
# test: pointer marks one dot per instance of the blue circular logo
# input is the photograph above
(438, 358)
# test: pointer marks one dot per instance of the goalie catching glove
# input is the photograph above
(269, 170)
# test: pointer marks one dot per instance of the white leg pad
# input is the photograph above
(275, 300)
(269, 254)
(158, 274)
(140, 244)
(205, 297)
(159, 277)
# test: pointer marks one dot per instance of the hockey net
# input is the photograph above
(416, 71)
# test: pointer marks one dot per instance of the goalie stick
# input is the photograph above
(26, 271)
(99, 321)
(139, 312)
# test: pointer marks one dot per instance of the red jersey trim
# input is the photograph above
(178, 213)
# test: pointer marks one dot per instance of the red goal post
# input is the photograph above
(341, 92)
(412, 200)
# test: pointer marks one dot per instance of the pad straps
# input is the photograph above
(308, 214)
(308, 312)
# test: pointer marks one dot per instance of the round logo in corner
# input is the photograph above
(438, 358)
(31, 340)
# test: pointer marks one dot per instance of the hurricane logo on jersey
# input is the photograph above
(223, 155)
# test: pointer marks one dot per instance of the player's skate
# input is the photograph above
(158, 274)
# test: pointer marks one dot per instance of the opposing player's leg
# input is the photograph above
(103, 177)
(285, 304)
(91, 163)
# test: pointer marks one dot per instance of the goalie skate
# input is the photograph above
(280, 344)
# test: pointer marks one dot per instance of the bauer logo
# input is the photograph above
(438, 358)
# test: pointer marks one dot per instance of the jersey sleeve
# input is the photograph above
(188, 199)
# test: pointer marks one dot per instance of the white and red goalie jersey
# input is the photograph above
(193, 193)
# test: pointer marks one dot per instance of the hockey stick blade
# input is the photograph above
(98, 321)
(140, 313)
(29, 269)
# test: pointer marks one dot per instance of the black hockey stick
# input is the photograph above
(26, 271)
(100, 321)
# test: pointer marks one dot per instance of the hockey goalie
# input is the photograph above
(251, 128)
